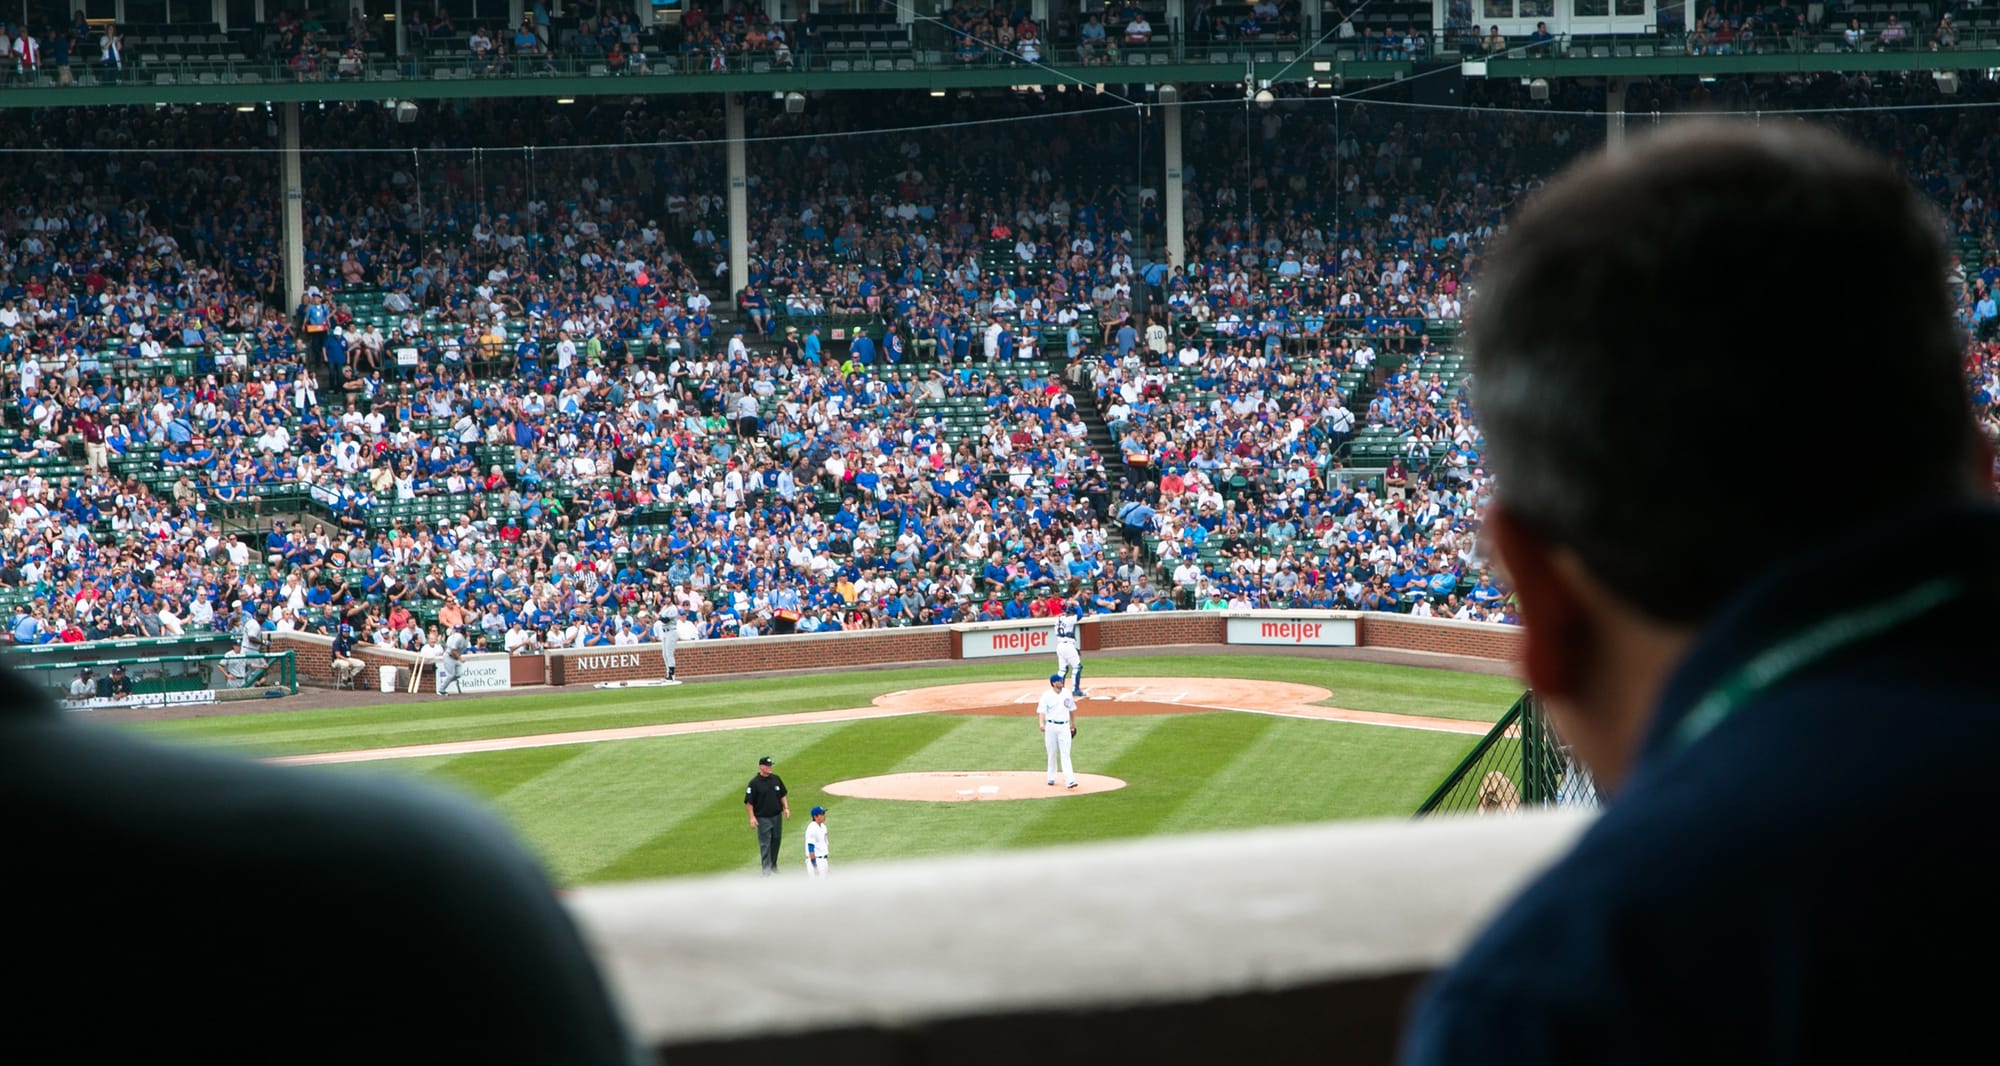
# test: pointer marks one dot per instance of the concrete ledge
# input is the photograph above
(1140, 951)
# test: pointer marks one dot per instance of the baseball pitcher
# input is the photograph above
(1057, 713)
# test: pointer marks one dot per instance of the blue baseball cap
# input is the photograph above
(1055, 679)
(817, 811)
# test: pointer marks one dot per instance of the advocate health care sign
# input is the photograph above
(479, 673)
(1321, 632)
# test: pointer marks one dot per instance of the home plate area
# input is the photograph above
(969, 786)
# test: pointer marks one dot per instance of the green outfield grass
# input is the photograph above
(674, 805)
(1355, 685)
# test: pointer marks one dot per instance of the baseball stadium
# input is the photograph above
(1044, 454)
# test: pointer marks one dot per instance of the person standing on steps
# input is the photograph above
(769, 806)
(1056, 711)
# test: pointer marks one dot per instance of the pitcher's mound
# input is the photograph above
(969, 785)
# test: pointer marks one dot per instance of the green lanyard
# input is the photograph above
(1808, 647)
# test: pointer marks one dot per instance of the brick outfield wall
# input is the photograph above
(803, 652)
(1164, 628)
(898, 646)
(315, 659)
(1483, 640)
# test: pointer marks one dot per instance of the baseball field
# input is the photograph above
(620, 784)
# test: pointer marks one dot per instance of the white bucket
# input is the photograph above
(388, 679)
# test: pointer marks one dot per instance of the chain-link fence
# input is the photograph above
(1519, 763)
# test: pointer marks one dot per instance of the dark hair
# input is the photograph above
(1608, 399)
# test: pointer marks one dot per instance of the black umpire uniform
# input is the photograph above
(769, 806)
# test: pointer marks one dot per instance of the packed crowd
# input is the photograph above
(629, 455)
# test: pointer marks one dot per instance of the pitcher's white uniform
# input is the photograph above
(1067, 659)
(1057, 709)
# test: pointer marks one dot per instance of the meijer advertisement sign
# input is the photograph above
(1035, 639)
(1321, 632)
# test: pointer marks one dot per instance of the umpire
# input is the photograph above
(769, 806)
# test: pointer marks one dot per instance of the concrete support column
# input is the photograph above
(294, 221)
(1174, 192)
(739, 194)
(1614, 114)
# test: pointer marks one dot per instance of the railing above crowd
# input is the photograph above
(740, 42)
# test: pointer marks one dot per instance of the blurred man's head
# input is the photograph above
(1655, 342)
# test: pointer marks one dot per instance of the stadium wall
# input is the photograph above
(938, 961)
(586, 666)
(1482, 640)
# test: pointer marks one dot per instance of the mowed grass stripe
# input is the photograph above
(1164, 768)
(1318, 771)
(498, 772)
(577, 805)
(603, 804)
(974, 742)
(709, 830)
(872, 829)
(673, 805)
(1357, 685)
(865, 831)
(557, 710)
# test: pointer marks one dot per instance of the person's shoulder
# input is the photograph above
(380, 860)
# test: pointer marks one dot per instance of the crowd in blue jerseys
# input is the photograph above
(655, 462)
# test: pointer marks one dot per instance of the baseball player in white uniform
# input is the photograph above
(816, 853)
(1067, 659)
(1057, 714)
(668, 632)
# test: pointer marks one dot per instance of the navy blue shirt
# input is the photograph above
(1806, 881)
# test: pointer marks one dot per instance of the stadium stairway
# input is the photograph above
(1093, 420)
